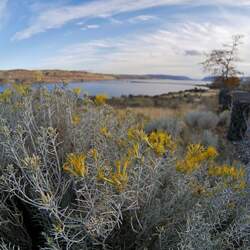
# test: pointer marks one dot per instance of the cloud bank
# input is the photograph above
(57, 17)
(174, 50)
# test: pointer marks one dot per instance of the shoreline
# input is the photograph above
(169, 100)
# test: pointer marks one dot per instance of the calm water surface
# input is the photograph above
(116, 88)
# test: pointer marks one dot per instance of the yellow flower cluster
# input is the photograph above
(195, 155)
(77, 91)
(137, 134)
(93, 153)
(76, 119)
(104, 131)
(101, 99)
(161, 142)
(75, 165)
(236, 174)
(21, 89)
(226, 171)
(5, 95)
(134, 151)
(118, 178)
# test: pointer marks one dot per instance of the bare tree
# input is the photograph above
(221, 63)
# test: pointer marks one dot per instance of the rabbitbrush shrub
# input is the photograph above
(202, 119)
(75, 174)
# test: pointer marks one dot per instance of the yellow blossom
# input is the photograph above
(134, 152)
(242, 185)
(118, 177)
(210, 153)
(21, 89)
(137, 134)
(5, 95)
(104, 131)
(161, 142)
(101, 99)
(93, 152)
(195, 155)
(75, 165)
(77, 91)
(226, 171)
(76, 119)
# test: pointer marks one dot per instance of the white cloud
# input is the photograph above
(115, 21)
(57, 17)
(80, 23)
(142, 18)
(177, 50)
(90, 26)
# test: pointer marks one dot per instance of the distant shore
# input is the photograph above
(51, 76)
(66, 76)
(164, 100)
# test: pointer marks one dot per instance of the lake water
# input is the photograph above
(116, 88)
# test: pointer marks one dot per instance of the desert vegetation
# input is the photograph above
(78, 174)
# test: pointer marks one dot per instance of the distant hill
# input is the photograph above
(58, 76)
(169, 77)
(208, 79)
(155, 76)
(51, 76)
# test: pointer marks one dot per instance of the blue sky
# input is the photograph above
(120, 36)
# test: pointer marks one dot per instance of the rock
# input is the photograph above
(239, 118)
(225, 99)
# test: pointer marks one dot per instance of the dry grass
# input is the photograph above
(202, 101)
(157, 112)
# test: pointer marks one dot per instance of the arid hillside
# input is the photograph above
(50, 76)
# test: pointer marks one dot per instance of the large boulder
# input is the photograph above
(239, 117)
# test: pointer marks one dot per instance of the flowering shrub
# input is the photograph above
(196, 155)
(75, 165)
(161, 142)
(87, 177)
(101, 99)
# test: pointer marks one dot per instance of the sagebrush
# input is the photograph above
(88, 177)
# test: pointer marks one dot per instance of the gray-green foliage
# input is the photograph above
(172, 125)
(202, 119)
(225, 118)
(158, 209)
(209, 139)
